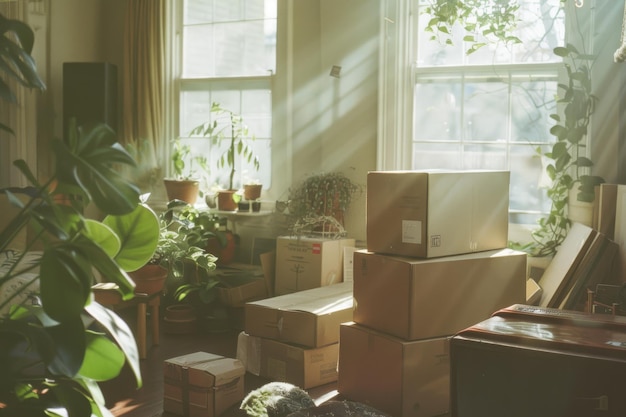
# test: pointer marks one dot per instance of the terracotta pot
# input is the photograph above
(225, 254)
(185, 190)
(225, 200)
(149, 279)
(179, 319)
(252, 192)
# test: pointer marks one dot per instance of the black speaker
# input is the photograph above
(89, 94)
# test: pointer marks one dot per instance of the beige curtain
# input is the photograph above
(144, 81)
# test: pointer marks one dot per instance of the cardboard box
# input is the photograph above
(399, 377)
(423, 298)
(309, 318)
(437, 213)
(241, 283)
(303, 263)
(202, 384)
(300, 366)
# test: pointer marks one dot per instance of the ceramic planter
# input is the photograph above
(226, 201)
(185, 190)
(149, 279)
(252, 192)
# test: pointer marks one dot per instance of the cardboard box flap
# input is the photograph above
(317, 301)
(203, 369)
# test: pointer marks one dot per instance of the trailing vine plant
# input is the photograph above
(568, 165)
(484, 21)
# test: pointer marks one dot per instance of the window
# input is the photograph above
(229, 57)
(486, 110)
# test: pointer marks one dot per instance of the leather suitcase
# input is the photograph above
(527, 361)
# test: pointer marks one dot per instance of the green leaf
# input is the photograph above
(103, 358)
(121, 333)
(138, 232)
(104, 236)
(69, 345)
(561, 51)
(66, 277)
(90, 164)
(71, 397)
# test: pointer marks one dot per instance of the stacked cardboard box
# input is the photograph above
(303, 263)
(436, 262)
(294, 337)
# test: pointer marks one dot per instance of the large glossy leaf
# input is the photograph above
(73, 399)
(103, 358)
(66, 277)
(107, 267)
(139, 234)
(120, 332)
(70, 345)
(90, 163)
(104, 236)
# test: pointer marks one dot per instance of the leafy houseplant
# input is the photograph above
(226, 126)
(181, 248)
(185, 185)
(483, 20)
(53, 354)
(320, 201)
(568, 165)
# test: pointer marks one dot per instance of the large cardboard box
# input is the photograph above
(303, 263)
(278, 361)
(539, 362)
(428, 214)
(424, 298)
(309, 318)
(202, 384)
(399, 377)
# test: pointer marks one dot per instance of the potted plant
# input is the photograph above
(51, 358)
(226, 126)
(319, 202)
(568, 167)
(56, 336)
(185, 185)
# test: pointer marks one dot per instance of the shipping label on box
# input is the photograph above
(202, 384)
(399, 377)
(278, 361)
(303, 263)
(434, 213)
(309, 318)
(424, 298)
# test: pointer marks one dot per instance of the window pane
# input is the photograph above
(437, 111)
(490, 109)
(541, 29)
(485, 111)
(532, 104)
(225, 38)
(255, 108)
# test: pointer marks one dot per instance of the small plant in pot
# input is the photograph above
(226, 127)
(319, 202)
(181, 248)
(185, 185)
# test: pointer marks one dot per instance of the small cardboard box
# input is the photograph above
(309, 318)
(399, 377)
(300, 366)
(202, 384)
(303, 263)
(424, 298)
(241, 283)
(429, 214)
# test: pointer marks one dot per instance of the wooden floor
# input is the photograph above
(123, 399)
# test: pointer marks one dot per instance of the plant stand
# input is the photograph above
(108, 295)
